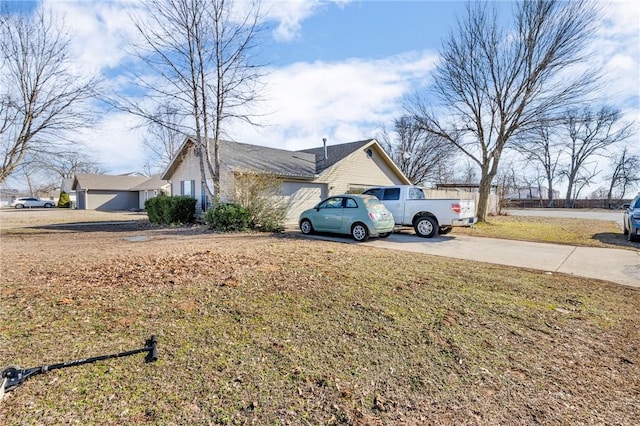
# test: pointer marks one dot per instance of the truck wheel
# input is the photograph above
(444, 230)
(425, 227)
(359, 232)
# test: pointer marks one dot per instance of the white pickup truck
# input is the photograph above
(428, 217)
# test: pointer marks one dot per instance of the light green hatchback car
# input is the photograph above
(361, 216)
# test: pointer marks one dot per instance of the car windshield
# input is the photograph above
(637, 204)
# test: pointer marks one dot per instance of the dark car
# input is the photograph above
(631, 220)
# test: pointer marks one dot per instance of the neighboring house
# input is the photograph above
(150, 188)
(115, 192)
(307, 176)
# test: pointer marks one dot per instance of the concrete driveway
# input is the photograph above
(619, 266)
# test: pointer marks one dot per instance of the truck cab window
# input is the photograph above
(391, 194)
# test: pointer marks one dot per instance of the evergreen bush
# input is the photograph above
(227, 217)
(166, 210)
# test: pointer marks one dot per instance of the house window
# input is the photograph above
(188, 188)
(146, 195)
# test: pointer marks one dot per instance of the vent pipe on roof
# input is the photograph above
(324, 144)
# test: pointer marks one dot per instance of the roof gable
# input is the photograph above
(335, 153)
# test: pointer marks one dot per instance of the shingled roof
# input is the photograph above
(107, 182)
(306, 163)
(242, 156)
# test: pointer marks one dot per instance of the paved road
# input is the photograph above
(619, 266)
(597, 214)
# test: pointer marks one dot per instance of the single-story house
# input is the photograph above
(116, 192)
(152, 187)
(307, 176)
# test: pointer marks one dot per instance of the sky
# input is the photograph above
(336, 69)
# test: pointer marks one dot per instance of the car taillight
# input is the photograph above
(373, 216)
(456, 208)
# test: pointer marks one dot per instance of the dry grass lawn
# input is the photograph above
(260, 329)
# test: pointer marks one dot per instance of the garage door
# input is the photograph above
(300, 196)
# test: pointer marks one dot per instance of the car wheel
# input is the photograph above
(19, 206)
(444, 230)
(306, 227)
(625, 230)
(48, 205)
(359, 232)
(630, 236)
(385, 235)
(425, 227)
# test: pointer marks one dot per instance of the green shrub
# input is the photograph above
(64, 200)
(165, 210)
(227, 217)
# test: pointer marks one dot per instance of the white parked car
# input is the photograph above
(20, 203)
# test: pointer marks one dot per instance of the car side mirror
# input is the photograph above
(317, 208)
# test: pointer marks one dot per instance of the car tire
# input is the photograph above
(19, 206)
(359, 232)
(426, 227)
(625, 230)
(630, 237)
(306, 227)
(385, 234)
(48, 205)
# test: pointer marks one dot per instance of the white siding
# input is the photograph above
(189, 170)
(359, 170)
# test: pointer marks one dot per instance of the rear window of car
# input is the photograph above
(373, 204)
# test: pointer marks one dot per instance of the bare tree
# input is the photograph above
(584, 178)
(626, 173)
(201, 53)
(163, 138)
(66, 164)
(41, 97)
(542, 146)
(493, 83)
(420, 155)
(589, 134)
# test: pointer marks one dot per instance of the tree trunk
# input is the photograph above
(483, 198)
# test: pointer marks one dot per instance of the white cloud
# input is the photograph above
(344, 101)
(99, 31)
(617, 47)
(289, 15)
